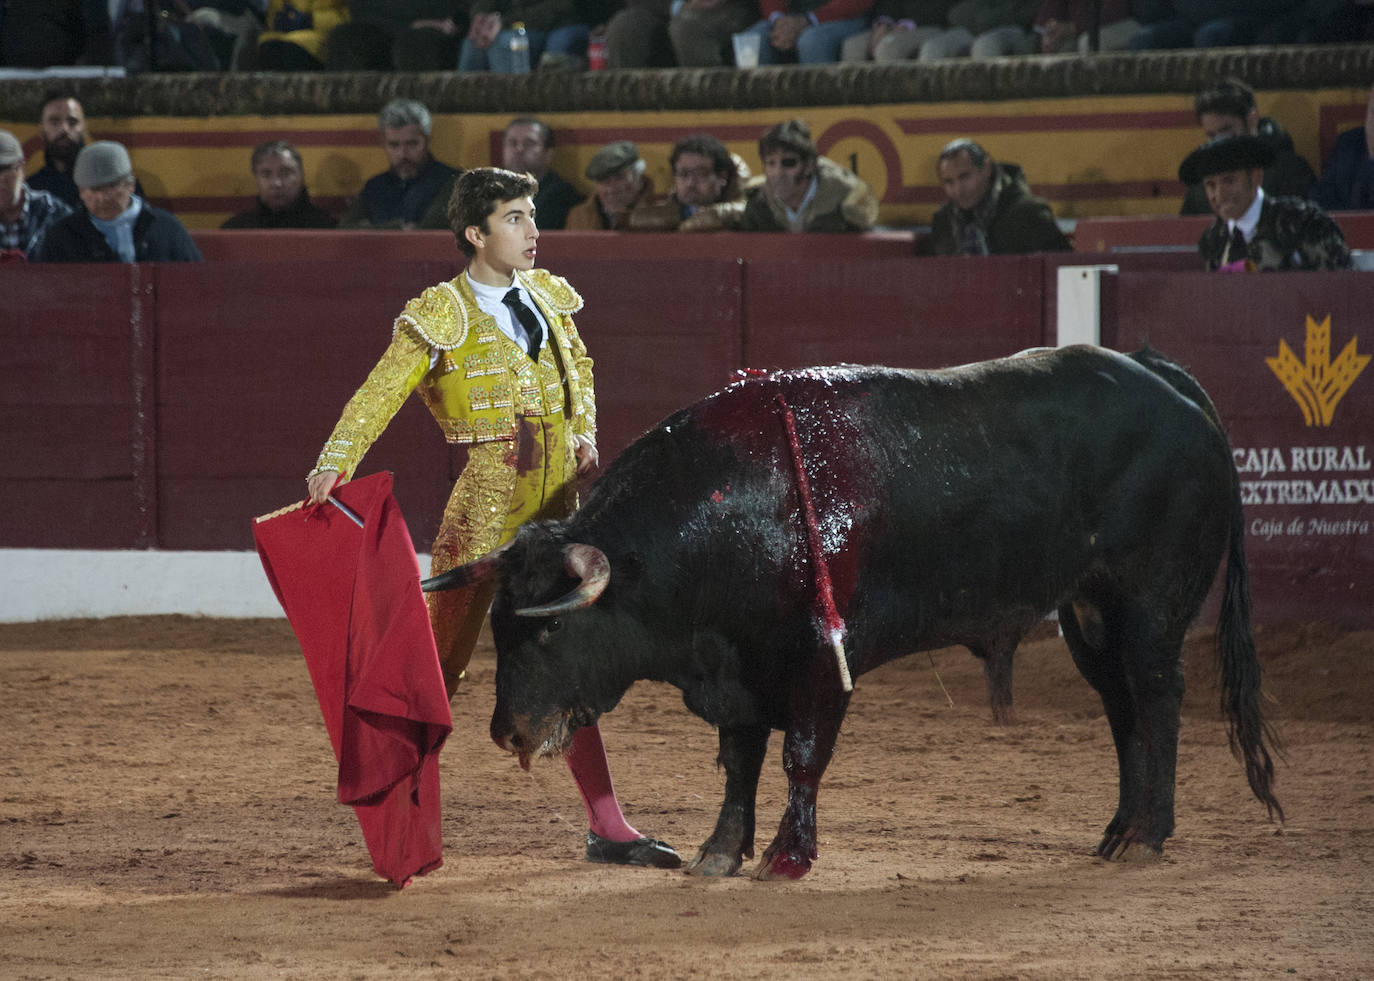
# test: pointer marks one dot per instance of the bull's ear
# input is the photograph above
(590, 565)
(478, 570)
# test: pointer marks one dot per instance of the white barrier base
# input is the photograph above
(55, 584)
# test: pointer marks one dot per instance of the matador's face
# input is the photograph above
(1231, 193)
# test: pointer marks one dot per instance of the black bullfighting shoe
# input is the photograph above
(642, 851)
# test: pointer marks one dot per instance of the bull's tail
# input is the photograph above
(1251, 737)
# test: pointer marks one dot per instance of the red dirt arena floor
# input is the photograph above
(167, 811)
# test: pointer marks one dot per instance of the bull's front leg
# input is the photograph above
(741, 754)
(806, 752)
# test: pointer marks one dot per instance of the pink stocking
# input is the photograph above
(586, 759)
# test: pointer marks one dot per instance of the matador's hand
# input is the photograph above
(587, 456)
(320, 485)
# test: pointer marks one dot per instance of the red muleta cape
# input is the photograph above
(352, 596)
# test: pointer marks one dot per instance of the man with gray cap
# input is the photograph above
(617, 170)
(1253, 230)
(114, 224)
(24, 213)
(414, 190)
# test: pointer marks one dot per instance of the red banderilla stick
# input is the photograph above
(825, 592)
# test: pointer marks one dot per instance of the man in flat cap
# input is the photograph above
(114, 224)
(617, 170)
(803, 191)
(1254, 230)
(24, 213)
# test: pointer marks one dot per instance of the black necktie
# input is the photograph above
(529, 320)
(1237, 250)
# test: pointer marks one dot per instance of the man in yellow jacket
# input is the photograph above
(295, 36)
(498, 361)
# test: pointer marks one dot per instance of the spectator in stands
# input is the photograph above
(809, 32)
(700, 31)
(24, 212)
(705, 174)
(296, 32)
(1255, 230)
(984, 29)
(398, 35)
(899, 29)
(527, 148)
(1228, 108)
(232, 28)
(414, 190)
(1066, 26)
(62, 123)
(552, 28)
(803, 191)
(283, 201)
(990, 211)
(114, 224)
(617, 170)
(637, 34)
(1347, 181)
(1219, 23)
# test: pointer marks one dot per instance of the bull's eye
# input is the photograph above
(551, 626)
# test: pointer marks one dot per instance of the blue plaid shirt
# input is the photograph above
(41, 209)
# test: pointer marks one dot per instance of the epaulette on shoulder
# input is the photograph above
(555, 291)
(438, 316)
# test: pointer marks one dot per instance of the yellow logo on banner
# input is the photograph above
(1320, 383)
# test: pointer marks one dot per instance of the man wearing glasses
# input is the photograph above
(708, 182)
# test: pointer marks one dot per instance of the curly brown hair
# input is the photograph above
(476, 195)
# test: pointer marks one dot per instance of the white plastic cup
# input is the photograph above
(746, 49)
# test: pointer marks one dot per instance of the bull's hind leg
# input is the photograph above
(741, 754)
(1134, 666)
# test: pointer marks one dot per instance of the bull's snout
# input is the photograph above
(505, 735)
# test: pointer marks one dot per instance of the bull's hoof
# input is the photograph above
(1138, 851)
(713, 864)
(782, 866)
(646, 852)
(1126, 848)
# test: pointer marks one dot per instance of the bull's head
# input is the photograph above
(541, 669)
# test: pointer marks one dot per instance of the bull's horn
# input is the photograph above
(586, 562)
(464, 575)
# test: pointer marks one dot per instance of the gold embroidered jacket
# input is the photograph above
(474, 379)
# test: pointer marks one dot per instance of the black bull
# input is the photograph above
(953, 507)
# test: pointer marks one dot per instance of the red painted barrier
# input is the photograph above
(1153, 232)
(918, 313)
(76, 360)
(1285, 357)
(164, 406)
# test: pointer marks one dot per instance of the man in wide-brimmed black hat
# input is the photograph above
(1254, 230)
(1228, 108)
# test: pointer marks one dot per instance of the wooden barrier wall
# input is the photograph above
(1304, 442)
(164, 406)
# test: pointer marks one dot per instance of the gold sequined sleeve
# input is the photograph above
(370, 410)
(586, 390)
